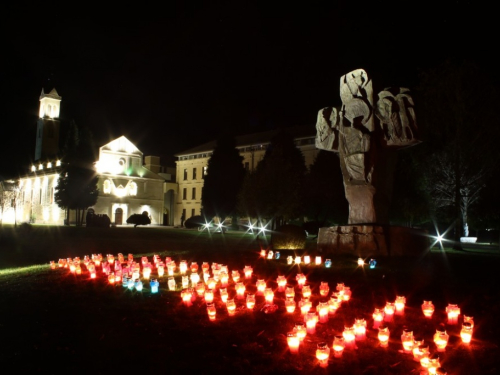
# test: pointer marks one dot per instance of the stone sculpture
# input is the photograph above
(366, 137)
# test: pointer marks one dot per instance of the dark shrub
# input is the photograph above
(288, 237)
(312, 227)
(138, 219)
(194, 222)
(97, 220)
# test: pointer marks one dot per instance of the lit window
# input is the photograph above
(40, 167)
(33, 168)
(58, 163)
(49, 165)
(185, 174)
(107, 187)
(205, 171)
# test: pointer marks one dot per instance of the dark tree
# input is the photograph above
(275, 190)
(457, 106)
(77, 184)
(225, 174)
(324, 191)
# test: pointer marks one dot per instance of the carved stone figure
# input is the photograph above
(365, 136)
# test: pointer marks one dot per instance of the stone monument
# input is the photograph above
(366, 137)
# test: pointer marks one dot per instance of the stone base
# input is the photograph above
(373, 240)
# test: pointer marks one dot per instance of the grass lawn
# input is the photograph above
(52, 321)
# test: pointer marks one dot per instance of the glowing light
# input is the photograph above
(293, 342)
(322, 354)
(338, 346)
(466, 333)
(383, 336)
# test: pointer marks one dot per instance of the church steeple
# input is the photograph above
(47, 130)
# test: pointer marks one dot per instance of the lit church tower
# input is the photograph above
(47, 130)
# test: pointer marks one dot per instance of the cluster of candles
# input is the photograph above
(307, 260)
(216, 277)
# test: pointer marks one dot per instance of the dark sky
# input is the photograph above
(172, 77)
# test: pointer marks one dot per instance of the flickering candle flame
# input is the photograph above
(333, 304)
(305, 305)
(209, 295)
(231, 307)
(306, 291)
(318, 261)
(240, 290)
(250, 301)
(322, 354)
(323, 311)
(223, 294)
(248, 270)
(224, 279)
(263, 253)
(111, 259)
(269, 295)
(307, 259)
(200, 289)
(261, 286)
(441, 340)
(466, 333)
(347, 293)
(211, 311)
(290, 305)
(407, 341)
(298, 260)
(360, 329)
(400, 304)
(428, 309)
(281, 281)
(293, 342)
(453, 312)
(324, 289)
(383, 336)
(187, 296)
(52, 265)
(389, 311)
(338, 346)
(361, 262)
(111, 278)
(301, 280)
(211, 283)
(300, 330)
(378, 317)
(349, 336)
(311, 319)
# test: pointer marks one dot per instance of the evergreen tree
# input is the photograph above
(77, 183)
(225, 174)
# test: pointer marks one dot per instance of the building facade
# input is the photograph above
(191, 165)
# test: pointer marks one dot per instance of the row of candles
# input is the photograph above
(307, 260)
(323, 309)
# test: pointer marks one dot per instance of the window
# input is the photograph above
(185, 174)
(132, 190)
(184, 212)
(205, 171)
(192, 212)
(193, 193)
(184, 193)
(194, 173)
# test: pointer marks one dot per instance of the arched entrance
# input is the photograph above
(118, 216)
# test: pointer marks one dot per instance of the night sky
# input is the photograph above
(173, 77)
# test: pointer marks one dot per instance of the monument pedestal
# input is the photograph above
(373, 240)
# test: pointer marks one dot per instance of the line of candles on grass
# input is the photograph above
(220, 277)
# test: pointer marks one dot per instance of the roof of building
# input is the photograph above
(254, 139)
(52, 94)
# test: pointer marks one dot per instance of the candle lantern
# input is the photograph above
(338, 346)
(389, 311)
(121, 258)
(328, 263)
(301, 279)
(86, 259)
(349, 336)
(138, 285)
(270, 254)
(205, 266)
(400, 304)
(298, 259)
(305, 305)
(135, 270)
(194, 267)
(99, 259)
(290, 305)
(250, 301)
(281, 281)
(146, 271)
(206, 276)
(469, 319)
(161, 269)
(360, 329)
(200, 289)
(289, 292)
(52, 265)
(171, 283)
(187, 296)
(111, 278)
(263, 253)
(333, 304)
(111, 259)
(248, 270)
(209, 295)
(235, 275)
(240, 290)
(144, 260)
(211, 311)
(72, 267)
(340, 288)
(211, 283)
(323, 311)
(306, 291)
(106, 269)
(407, 340)
(91, 269)
(311, 319)
(231, 307)
(223, 294)
(154, 284)
(118, 265)
(131, 284)
(318, 260)
(185, 282)
(441, 339)
(130, 257)
(361, 262)
(125, 281)
(324, 289)
(466, 333)
(277, 255)
(224, 279)
(269, 295)
(453, 312)
(78, 269)
(424, 357)
(195, 279)
(322, 354)
(418, 344)
(289, 260)
(378, 317)
(347, 293)
(183, 267)
(118, 275)
(434, 364)
(307, 259)
(372, 263)
(293, 342)
(261, 285)
(383, 336)
(301, 331)
(428, 309)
